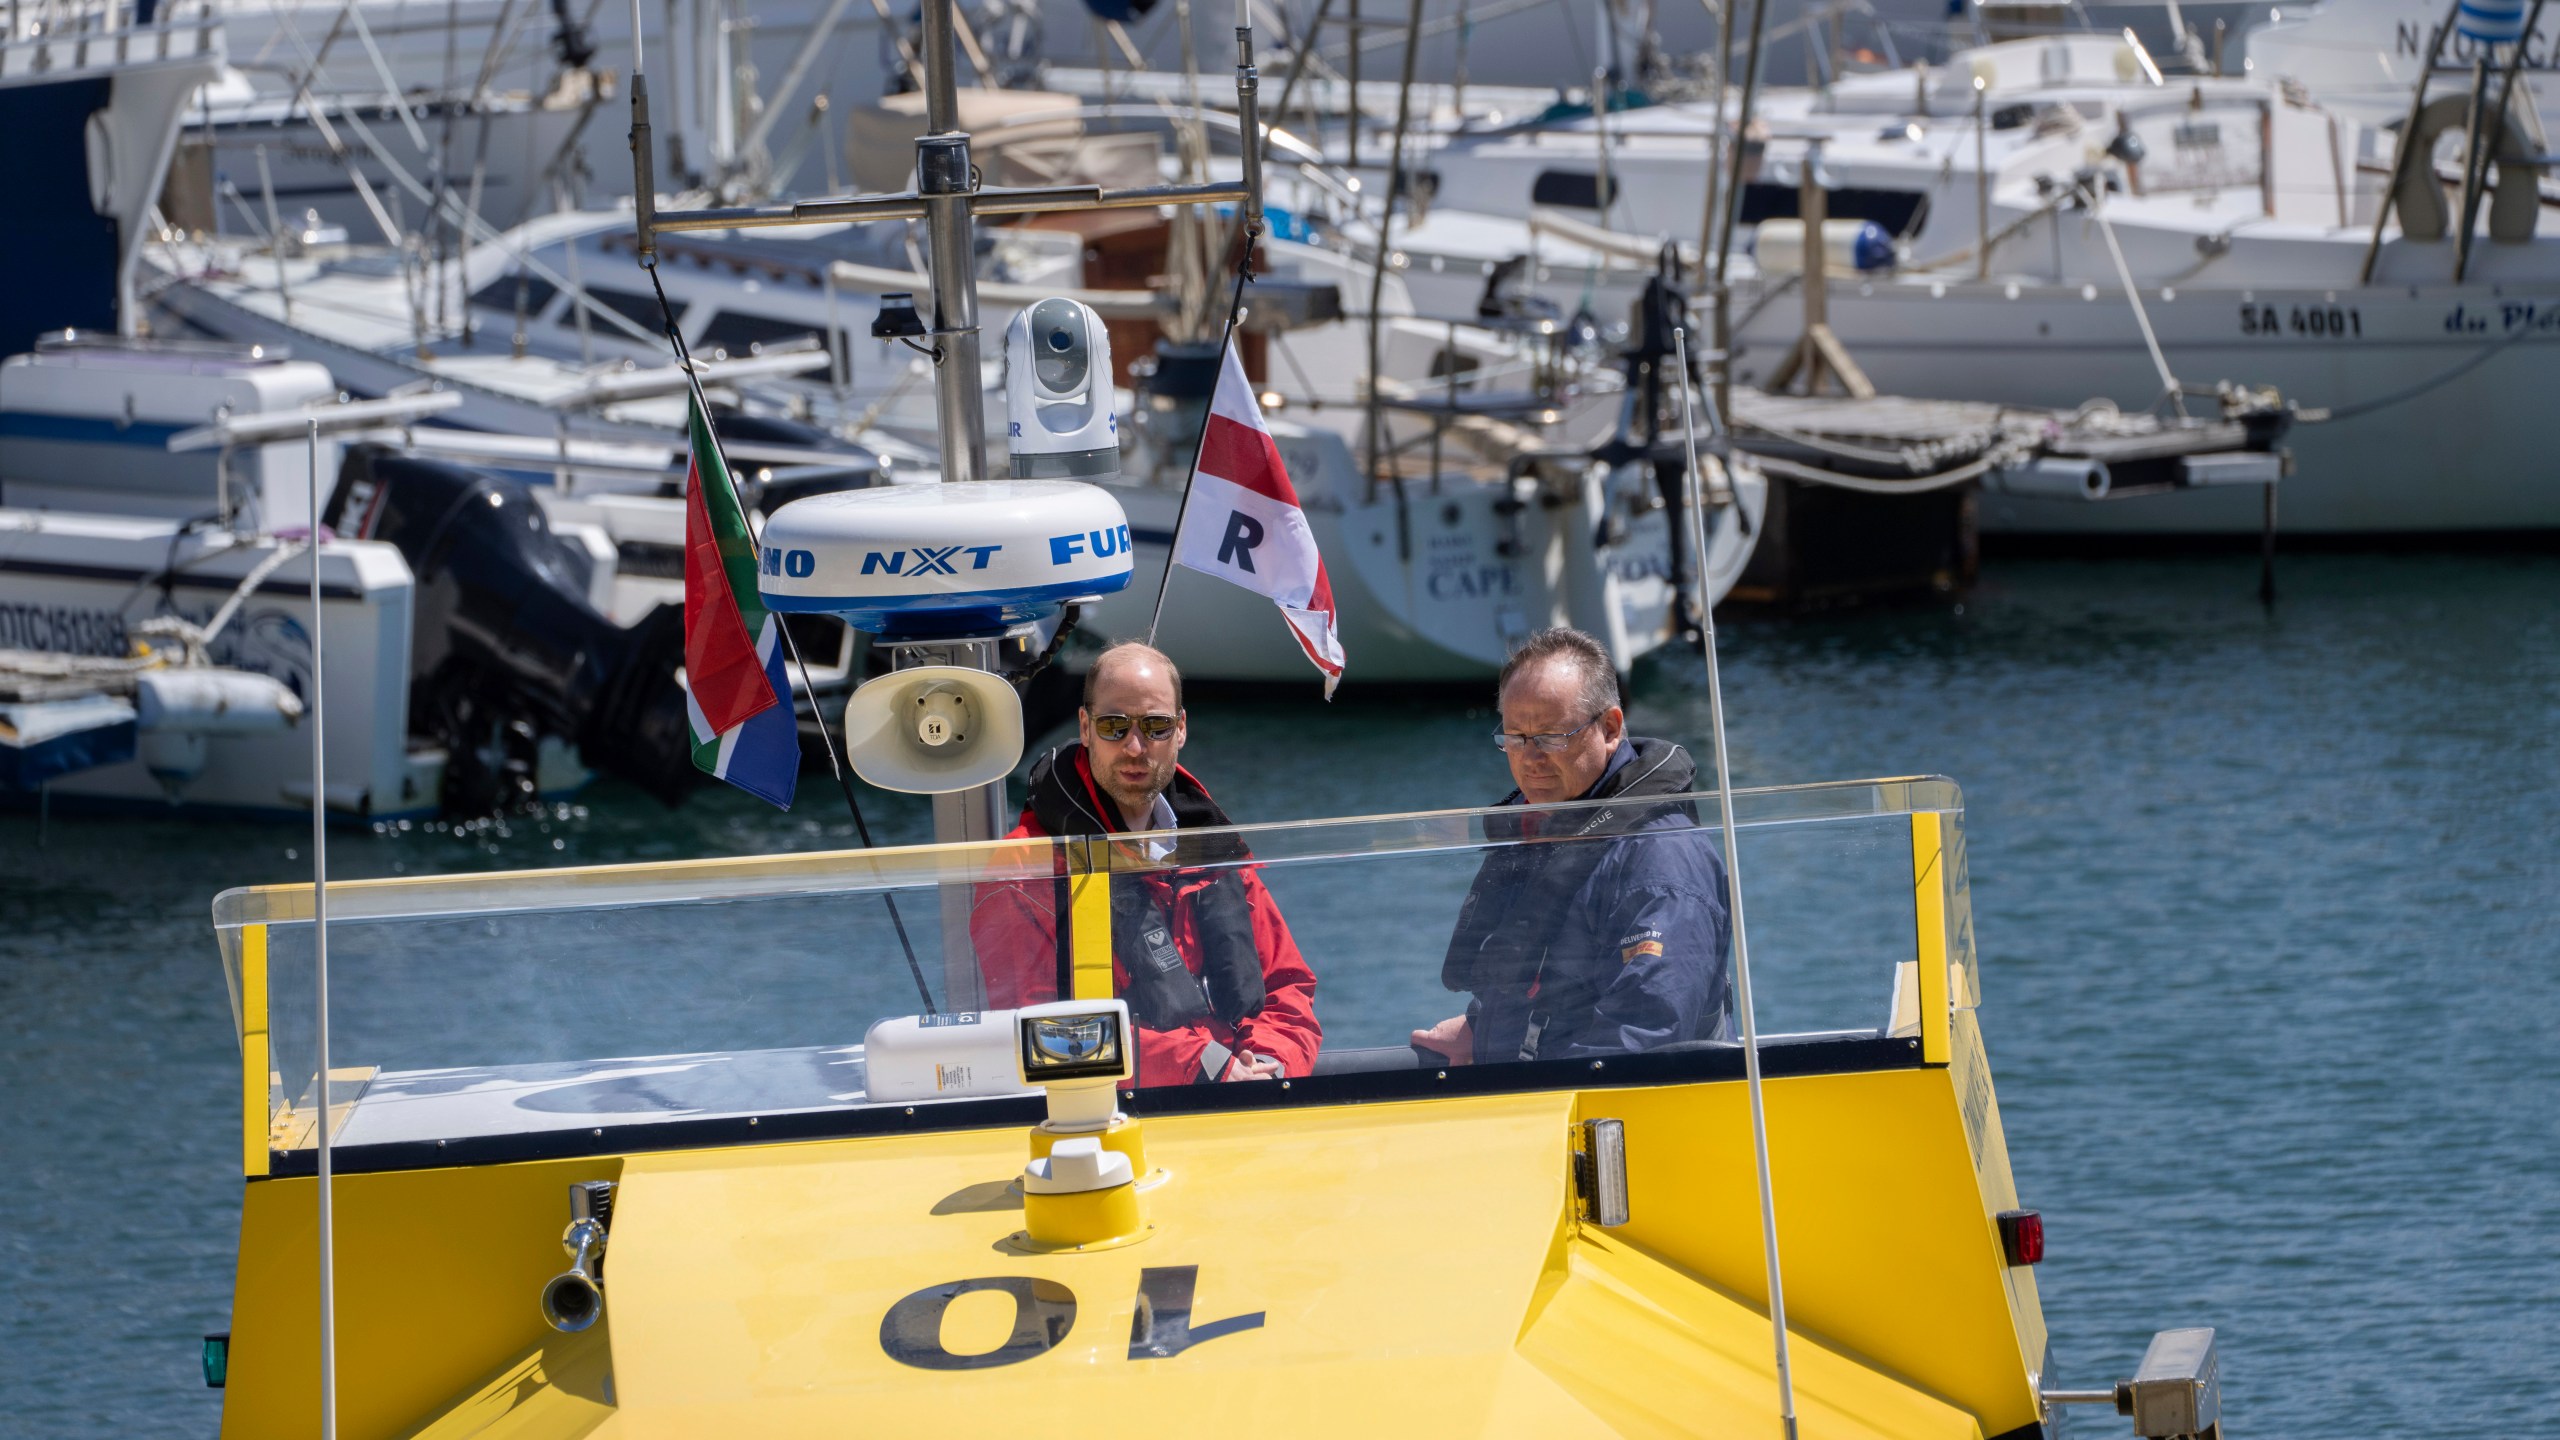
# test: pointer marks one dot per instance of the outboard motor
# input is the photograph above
(505, 647)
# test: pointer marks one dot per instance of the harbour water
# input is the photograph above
(2267, 905)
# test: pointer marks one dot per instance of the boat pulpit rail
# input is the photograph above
(481, 1018)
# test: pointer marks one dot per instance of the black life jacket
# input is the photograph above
(1522, 891)
(1163, 993)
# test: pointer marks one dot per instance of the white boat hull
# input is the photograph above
(76, 584)
(2468, 455)
(1477, 580)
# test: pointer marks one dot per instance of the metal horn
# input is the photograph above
(574, 1298)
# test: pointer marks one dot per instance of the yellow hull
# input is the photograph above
(1416, 1266)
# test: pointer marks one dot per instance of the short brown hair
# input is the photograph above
(1093, 673)
(1588, 657)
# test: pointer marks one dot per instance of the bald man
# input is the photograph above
(1213, 980)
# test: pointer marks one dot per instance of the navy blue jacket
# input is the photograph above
(1577, 944)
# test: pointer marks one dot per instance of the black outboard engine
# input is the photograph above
(505, 648)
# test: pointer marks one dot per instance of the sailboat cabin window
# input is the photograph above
(507, 291)
(739, 333)
(1573, 189)
(630, 305)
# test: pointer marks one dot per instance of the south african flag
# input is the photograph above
(744, 728)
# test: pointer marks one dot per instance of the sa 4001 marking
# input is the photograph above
(2319, 322)
(1044, 1311)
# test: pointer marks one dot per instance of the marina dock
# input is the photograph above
(1873, 497)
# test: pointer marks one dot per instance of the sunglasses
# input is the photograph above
(1112, 729)
(1550, 744)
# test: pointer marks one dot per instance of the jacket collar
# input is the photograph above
(1065, 798)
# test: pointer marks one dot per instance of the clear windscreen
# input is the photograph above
(588, 1001)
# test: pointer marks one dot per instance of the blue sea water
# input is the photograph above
(2267, 906)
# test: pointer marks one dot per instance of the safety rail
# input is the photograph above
(60, 37)
(745, 877)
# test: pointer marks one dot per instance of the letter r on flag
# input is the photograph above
(1261, 541)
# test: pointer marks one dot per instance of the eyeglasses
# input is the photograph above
(1543, 744)
(1112, 729)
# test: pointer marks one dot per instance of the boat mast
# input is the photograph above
(1741, 141)
(1374, 430)
(948, 197)
(945, 177)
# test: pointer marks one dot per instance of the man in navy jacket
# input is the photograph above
(1602, 929)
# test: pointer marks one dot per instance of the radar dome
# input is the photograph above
(911, 560)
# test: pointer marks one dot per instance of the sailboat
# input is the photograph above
(737, 1144)
(2059, 221)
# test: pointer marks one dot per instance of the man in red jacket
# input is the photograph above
(1216, 986)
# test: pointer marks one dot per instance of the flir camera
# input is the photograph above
(1057, 393)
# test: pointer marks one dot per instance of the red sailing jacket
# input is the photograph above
(1014, 929)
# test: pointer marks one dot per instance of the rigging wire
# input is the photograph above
(1226, 337)
(1248, 234)
(826, 737)
(1733, 905)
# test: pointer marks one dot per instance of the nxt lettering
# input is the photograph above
(2409, 38)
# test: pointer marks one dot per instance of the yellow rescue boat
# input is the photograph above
(809, 1184)
(1554, 1247)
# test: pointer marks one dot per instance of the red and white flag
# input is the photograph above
(1245, 526)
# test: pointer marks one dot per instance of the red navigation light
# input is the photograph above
(2022, 1236)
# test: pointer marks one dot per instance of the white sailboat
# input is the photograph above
(2145, 233)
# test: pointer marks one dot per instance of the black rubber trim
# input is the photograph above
(2032, 1430)
(1812, 1057)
